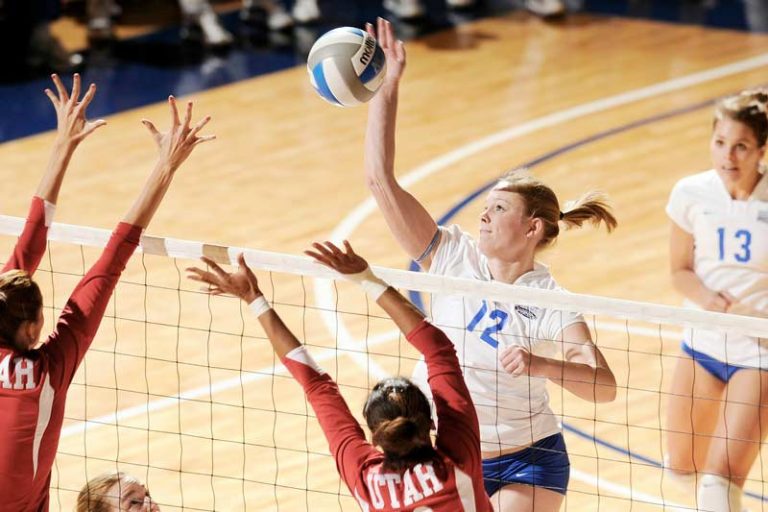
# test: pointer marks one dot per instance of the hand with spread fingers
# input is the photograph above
(241, 283)
(343, 262)
(73, 127)
(178, 142)
(393, 48)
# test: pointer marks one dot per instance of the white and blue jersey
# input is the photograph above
(513, 411)
(730, 255)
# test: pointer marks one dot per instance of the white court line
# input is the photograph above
(208, 390)
(628, 492)
(323, 289)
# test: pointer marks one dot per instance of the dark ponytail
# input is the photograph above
(20, 301)
(541, 202)
(399, 416)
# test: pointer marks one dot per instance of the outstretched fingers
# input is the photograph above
(75, 89)
(187, 117)
(52, 97)
(220, 272)
(91, 127)
(199, 126)
(152, 129)
(348, 248)
(174, 112)
(63, 96)
(319, 257)
(89, 94)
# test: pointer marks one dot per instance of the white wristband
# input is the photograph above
(372, 285)
(259, 306)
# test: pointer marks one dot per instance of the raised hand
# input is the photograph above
(393, 48)
(343, 262)
(72, 126)
(178, 142)
(241, 283)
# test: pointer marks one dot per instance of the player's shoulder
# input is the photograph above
(701, 182)
(539, 277)
(454, 234)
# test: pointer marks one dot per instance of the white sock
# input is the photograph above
(718, 494)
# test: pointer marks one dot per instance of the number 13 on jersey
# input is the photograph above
(744, 240)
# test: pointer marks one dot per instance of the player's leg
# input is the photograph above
(526, 498)
(736, 441)
(692, 411)
(532, 479)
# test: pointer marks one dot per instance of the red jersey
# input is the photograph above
(421, 486)
(33, 384)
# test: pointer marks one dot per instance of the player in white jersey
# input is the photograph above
(719, 262)
(505, 349)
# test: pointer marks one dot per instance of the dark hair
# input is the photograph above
(20, 301)
(541, 202)
(748, 107)
(399, 416)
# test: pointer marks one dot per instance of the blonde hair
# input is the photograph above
(542, 203)
(20, 301)
(93, 496)
(749, 107)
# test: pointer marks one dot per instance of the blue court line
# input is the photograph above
(417, 300)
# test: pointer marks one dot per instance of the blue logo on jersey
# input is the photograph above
(527, 312)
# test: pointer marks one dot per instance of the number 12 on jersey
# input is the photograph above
(743, 237)
(500, 317)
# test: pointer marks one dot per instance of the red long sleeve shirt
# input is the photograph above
(419, 487)
(34, 383)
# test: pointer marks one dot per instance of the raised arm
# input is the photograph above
(459, 432)
(85, 308)
(584, 371)
(72, 129)
(410, 223)
(345, 437)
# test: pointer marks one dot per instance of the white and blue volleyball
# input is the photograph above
(346, 66)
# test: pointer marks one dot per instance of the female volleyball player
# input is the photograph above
(115, 492)
(34, 378)
(505, 349)
(718, 404)
(409, 473)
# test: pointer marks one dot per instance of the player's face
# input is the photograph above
(735, 153)
(130, 497)
(505, 228)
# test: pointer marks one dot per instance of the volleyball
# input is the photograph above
(346, 66)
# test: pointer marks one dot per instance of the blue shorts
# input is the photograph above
(718, 369)
(543, 464)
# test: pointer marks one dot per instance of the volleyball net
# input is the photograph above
(182, 390)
